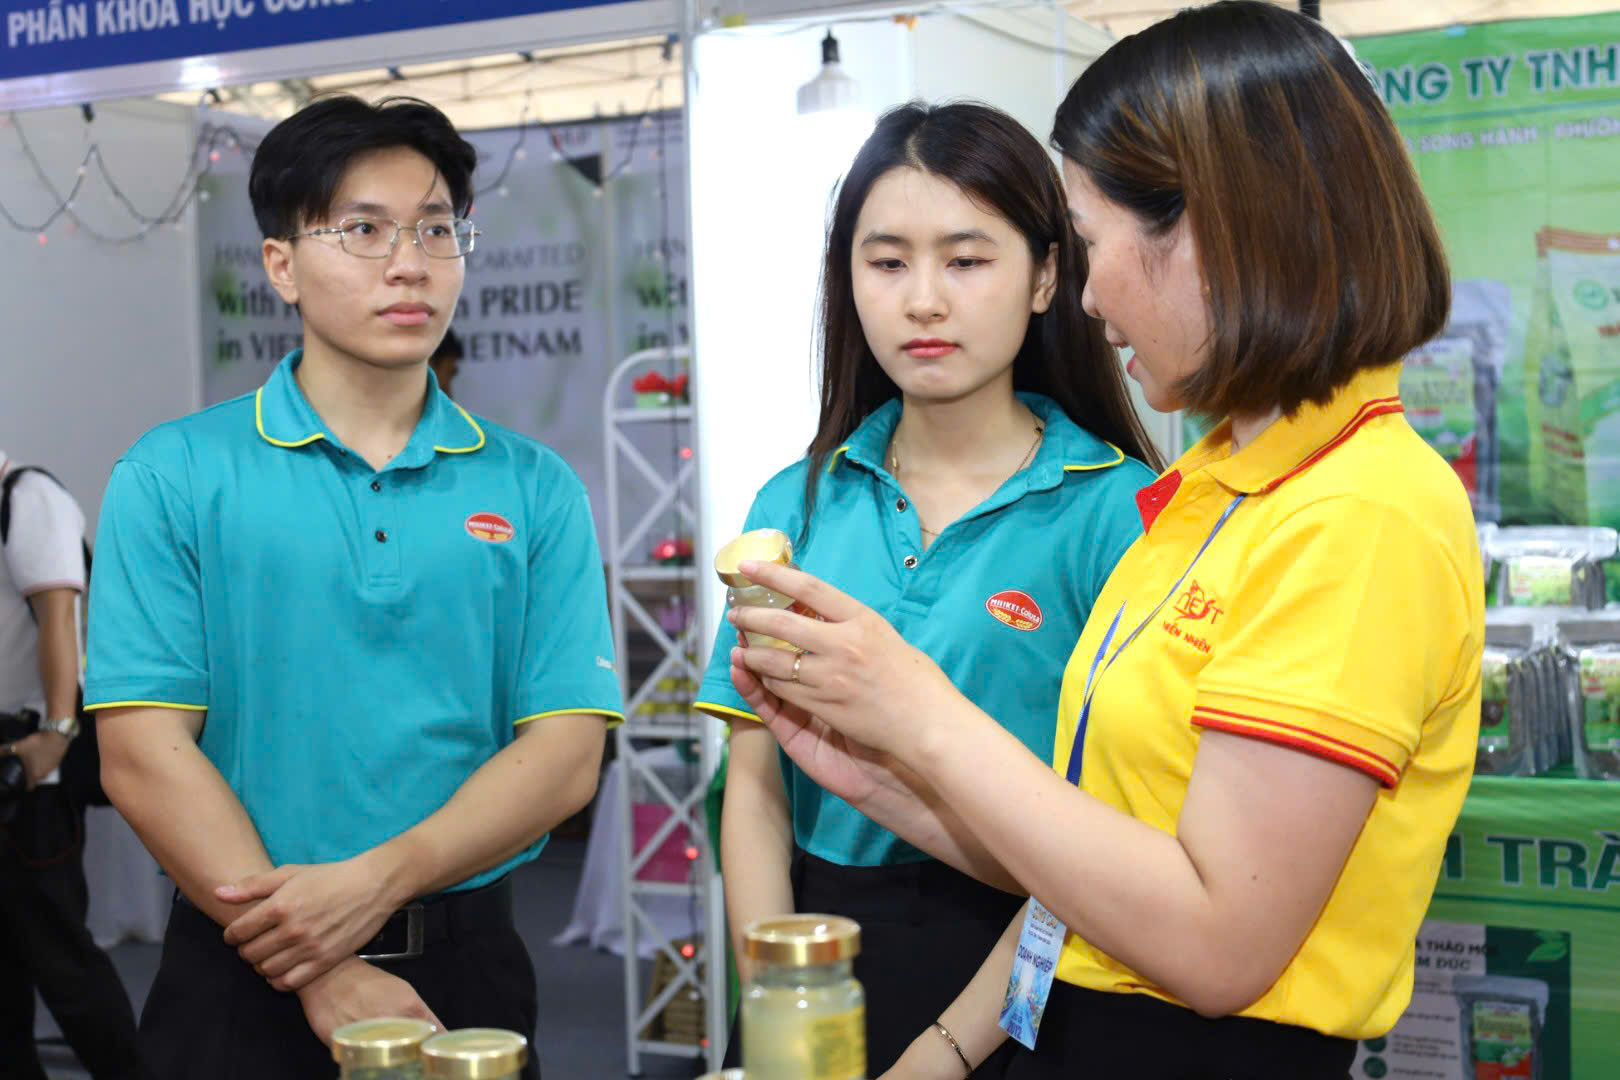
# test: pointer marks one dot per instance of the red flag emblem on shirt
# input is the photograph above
(490, 527)
(1017, 609)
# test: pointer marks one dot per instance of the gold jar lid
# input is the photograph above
(475, 1054)
(381, 1042)
(760, 545)
(802, 940)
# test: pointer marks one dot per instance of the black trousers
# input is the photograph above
(44, 943)
(1088, 1033)
(210, 1015)
(925, 930)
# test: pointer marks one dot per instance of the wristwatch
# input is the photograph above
(66, 726)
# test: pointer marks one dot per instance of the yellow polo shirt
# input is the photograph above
(1339, 611)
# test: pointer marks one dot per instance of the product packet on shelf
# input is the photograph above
(1524, 704)
(1550, 565)
(1592, 650)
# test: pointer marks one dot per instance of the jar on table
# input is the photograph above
(387, 1048)
(475, 1054)
(803, 1013)
(760, 545)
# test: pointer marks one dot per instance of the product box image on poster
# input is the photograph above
(1572, 360)
(1514, 129)
(1518, 966)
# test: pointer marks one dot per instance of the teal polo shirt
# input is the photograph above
(362, 640)
(998, 599)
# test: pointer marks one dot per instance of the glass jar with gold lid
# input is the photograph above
(803, 1013)
(387, 1048)
(475, 1054)
(760, 545)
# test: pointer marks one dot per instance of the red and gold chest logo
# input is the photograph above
(1194, 603)
(490, 527)
(1015, 609)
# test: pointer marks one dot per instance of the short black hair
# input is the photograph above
(300, 164)
(449, 345)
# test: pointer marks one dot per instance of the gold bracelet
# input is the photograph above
(945, 1033)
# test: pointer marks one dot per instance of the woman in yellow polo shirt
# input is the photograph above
(1267, 728)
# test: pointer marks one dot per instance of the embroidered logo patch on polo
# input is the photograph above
(1196, 604)
(1014, 608)
(490, 527)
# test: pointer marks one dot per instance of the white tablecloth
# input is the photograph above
(599, 902)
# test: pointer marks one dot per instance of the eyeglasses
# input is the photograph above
(372, 238)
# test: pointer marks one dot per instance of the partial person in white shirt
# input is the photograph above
(44, 942)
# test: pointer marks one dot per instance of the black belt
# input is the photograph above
(434, 920)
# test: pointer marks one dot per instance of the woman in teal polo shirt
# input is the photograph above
(973, 477)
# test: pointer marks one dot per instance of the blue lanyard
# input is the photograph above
(1099, 666)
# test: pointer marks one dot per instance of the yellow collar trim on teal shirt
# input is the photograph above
(1120, 457)
(258, 420)
(479, 445)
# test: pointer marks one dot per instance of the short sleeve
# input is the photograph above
(567, 664)
(147, 638)
(1352, 625)
(44, 545)
(716, 696)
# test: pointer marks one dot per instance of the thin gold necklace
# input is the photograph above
(894, 468)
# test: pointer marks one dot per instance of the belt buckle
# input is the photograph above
(400, 937)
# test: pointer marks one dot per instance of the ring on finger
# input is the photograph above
(797, 660)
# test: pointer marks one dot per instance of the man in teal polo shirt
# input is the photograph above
(349, 643)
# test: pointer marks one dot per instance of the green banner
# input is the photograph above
(1515, 131)
(1518, 967)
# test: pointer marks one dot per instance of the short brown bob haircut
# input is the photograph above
(1317, 245)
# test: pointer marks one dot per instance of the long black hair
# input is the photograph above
(992, 159)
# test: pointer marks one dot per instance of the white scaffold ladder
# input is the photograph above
(674, 485)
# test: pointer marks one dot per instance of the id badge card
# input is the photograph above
(1034, 964)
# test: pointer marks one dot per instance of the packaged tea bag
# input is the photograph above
(1525, 704)
(1437, 388)
(1510, 702)
(1496, 711)
(1593, 646)
(1551, 565)
(1502, 1018)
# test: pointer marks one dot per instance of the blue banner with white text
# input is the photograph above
(75, 35)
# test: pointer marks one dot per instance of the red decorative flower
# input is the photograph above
(673, 550)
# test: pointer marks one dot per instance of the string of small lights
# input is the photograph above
(212, 142)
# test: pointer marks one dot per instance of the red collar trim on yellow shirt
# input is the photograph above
(1375, 408)
(1283, 451)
